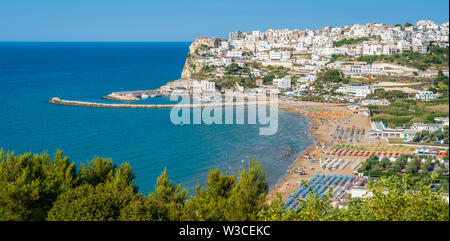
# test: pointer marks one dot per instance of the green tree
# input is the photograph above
(392, 199)
(370, 164)
(169, 195)
(143, 208)
(167, 191)
(269, 79)
(395, 168)
(211, 203)
(411, 168)
(249, 195)
(385, 163)
(29, 184)
(35, 187)
(331, 75)
(102, 201)
(349, 41)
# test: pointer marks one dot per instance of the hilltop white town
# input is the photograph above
(309, 51)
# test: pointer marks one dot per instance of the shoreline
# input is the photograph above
(307, 149)
(283, 179)
(320, 132)
(288, 181)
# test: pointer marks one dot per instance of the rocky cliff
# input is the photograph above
(193, 64)
(189, 68)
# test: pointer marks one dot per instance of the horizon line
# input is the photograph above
(89, 41)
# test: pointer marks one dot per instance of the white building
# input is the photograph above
(234, 54)
(386, 50)
(403, 45)
(427, 127)
(426, 95)
(311, 77)
(360, 192)
(302, 88)
(380, 131)
(284, 82)
(375, 102)
(444, 120)
(275, 55)
(280, 55)
(355, 90)
(225, 45)
(203, 86)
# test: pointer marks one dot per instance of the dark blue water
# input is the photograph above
(32, 73)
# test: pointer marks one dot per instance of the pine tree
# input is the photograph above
(249, 195)
(210, 203)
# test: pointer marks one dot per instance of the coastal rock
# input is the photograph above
(193, 64)
(54, 100)
(115, 96)
(185, 83)
(189, 68)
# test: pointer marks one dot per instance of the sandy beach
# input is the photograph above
(322, 132)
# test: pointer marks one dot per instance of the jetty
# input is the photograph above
(56, 100)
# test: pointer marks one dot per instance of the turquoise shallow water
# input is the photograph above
(32, 73)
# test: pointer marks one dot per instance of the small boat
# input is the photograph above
(144, 96)
(205, 99)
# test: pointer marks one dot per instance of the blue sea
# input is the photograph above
(32, 73)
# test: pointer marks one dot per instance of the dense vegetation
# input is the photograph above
(387, 94)
(349, 41)
(393, 199)
(331, 76)
(235, 74)
(432, 137)
(402, 166)
(416, 169)
(440, 84)
(435, 57)
(404, 112)
(37, 187)
(336, 57)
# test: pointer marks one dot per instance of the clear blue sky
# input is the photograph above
(173, 20)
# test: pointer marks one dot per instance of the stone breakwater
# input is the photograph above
(56, 100)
